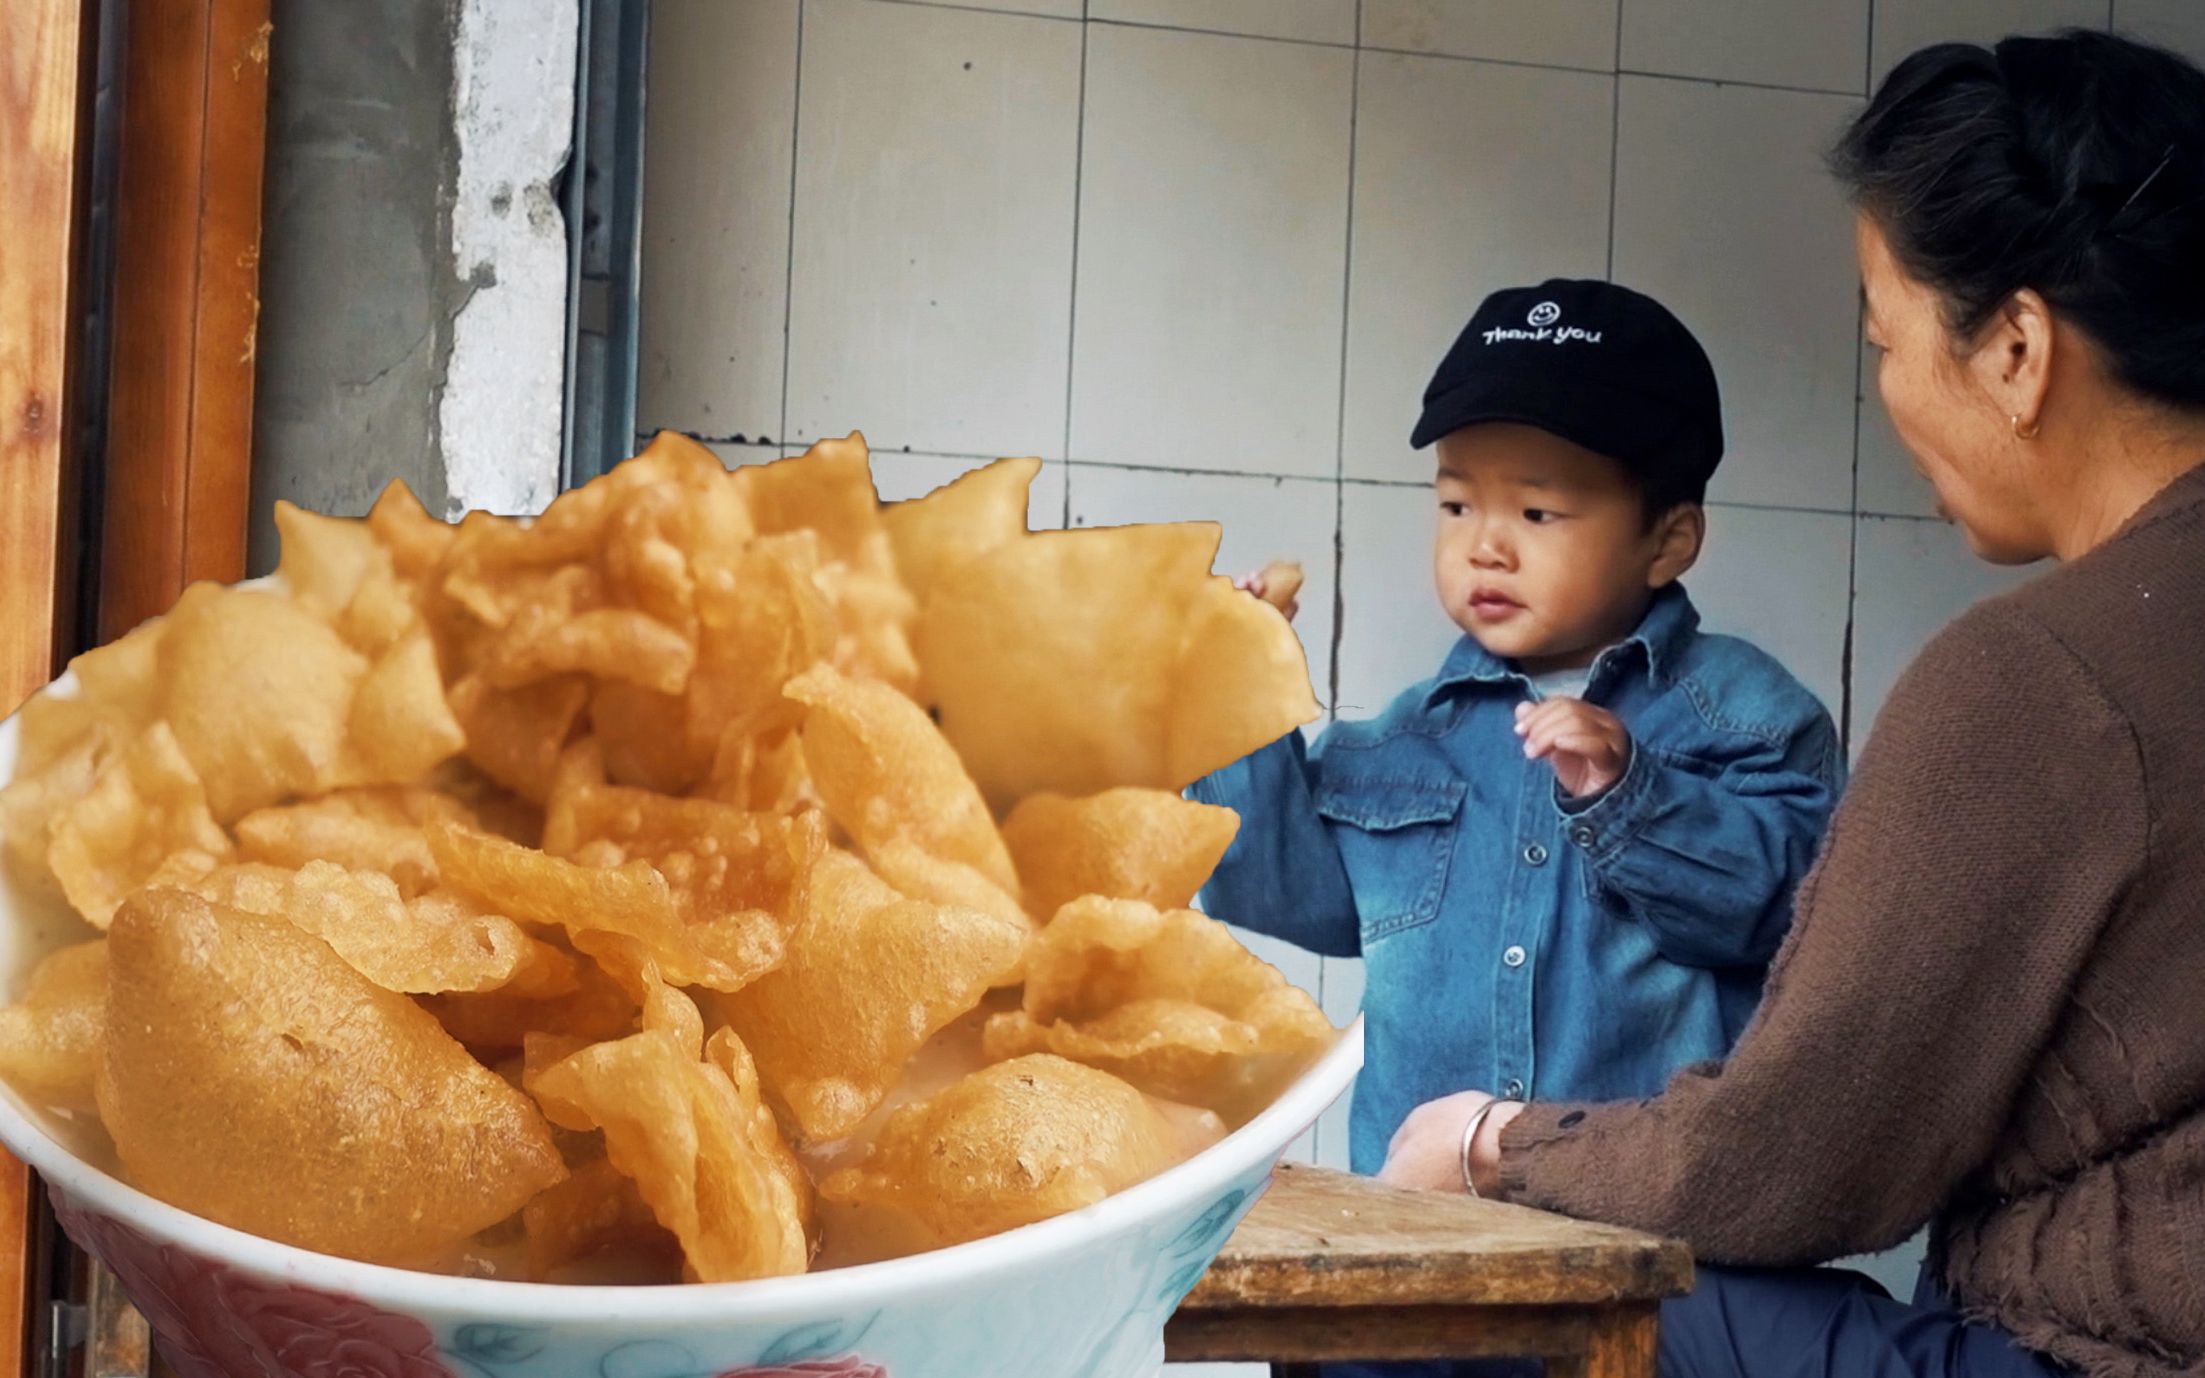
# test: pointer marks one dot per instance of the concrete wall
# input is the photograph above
(410, 221)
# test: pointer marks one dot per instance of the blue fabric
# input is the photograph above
(1830, 1323)
(1793, 1323)
(1513, 941)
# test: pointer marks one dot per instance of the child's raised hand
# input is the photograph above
(1278, 584)
(1588, 747)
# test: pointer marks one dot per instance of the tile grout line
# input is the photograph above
(1849, 646)
(788, 281)
(1615, 134)
(1339, 454)
(1868, 77)
(1072, 308)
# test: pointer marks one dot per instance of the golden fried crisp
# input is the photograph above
(1127, 843)
(370, 829)
(1011, 1144)
(596, 1208)
(889, 777)
(144, 807)
(695, 917)
(959, 521)
(1074, 661)
(401, 727)
(417, 542)
(50, 1037)
(251, 1076)
(564, 627)
(431, 944)
(501, 1021)
(688, 1127)
(1170, 1001)
(262, 737)
(870, 977)
(514, 736)
(325, 559)
(764, 620)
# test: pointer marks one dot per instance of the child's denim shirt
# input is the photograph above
(1517, 942)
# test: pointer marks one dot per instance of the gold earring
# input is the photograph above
(2032, 433)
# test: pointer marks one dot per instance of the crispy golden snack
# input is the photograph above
(596, 1208)
(870, 977)
(249, 1075)
(514, 736)
(1070, 662)
(959, 522)
(1170, 1001)
(694, 918)
(371, 829)
(427, 945)
(1127, 843)
(687, 1125)
(50, 1037)
(1011, 1144)
(261, 738)
(894, 783)
(144, 807)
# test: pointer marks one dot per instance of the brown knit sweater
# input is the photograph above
(1990, 1014)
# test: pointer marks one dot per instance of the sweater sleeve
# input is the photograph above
(1998, 814)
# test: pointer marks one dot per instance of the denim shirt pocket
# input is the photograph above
(1396, 840)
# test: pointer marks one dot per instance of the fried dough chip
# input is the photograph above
(401, 727)
(325, 559)
(1170, 1001)
(50, 1037)
(1074, 661)
(959, 522)
(251, 1076)
(417, 542)
(146, 806)
(683, 898)
(515, 735)
(765, 621)
(369, 829)
(1133, 844)
(697, 1140)
(1010, 1144)
(870, 977)
(888, 776)
(563, 630)
(257, 738)
(495, 1022)
(438, 942)
(596, 1208)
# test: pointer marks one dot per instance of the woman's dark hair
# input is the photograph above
(2072, 164)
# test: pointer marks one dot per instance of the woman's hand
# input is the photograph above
(1426, 1152)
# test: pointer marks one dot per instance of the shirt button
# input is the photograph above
(1514, 1090)
(1535, 855)
(1582, 835)
(1514, 956)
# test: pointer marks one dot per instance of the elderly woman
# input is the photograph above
(1990, 1014)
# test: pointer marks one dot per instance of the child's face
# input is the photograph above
(1543, 551)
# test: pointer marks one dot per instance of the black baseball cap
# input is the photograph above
(1600, 365)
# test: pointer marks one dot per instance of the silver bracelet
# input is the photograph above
(1470, 1136)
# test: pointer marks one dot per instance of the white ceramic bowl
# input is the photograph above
(1084, 1295)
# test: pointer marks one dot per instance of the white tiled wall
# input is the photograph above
(1201, 255)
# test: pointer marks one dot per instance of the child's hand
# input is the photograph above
(1589, 747)
(1276, 583)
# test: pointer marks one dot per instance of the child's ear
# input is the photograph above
(1678, 536)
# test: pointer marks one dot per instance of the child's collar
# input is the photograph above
(1669, 623)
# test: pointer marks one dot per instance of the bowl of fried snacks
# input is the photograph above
(721, 927)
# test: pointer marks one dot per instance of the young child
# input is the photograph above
(1567, 858)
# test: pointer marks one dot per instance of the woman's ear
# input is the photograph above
(2013, 363)
(1678, 536)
